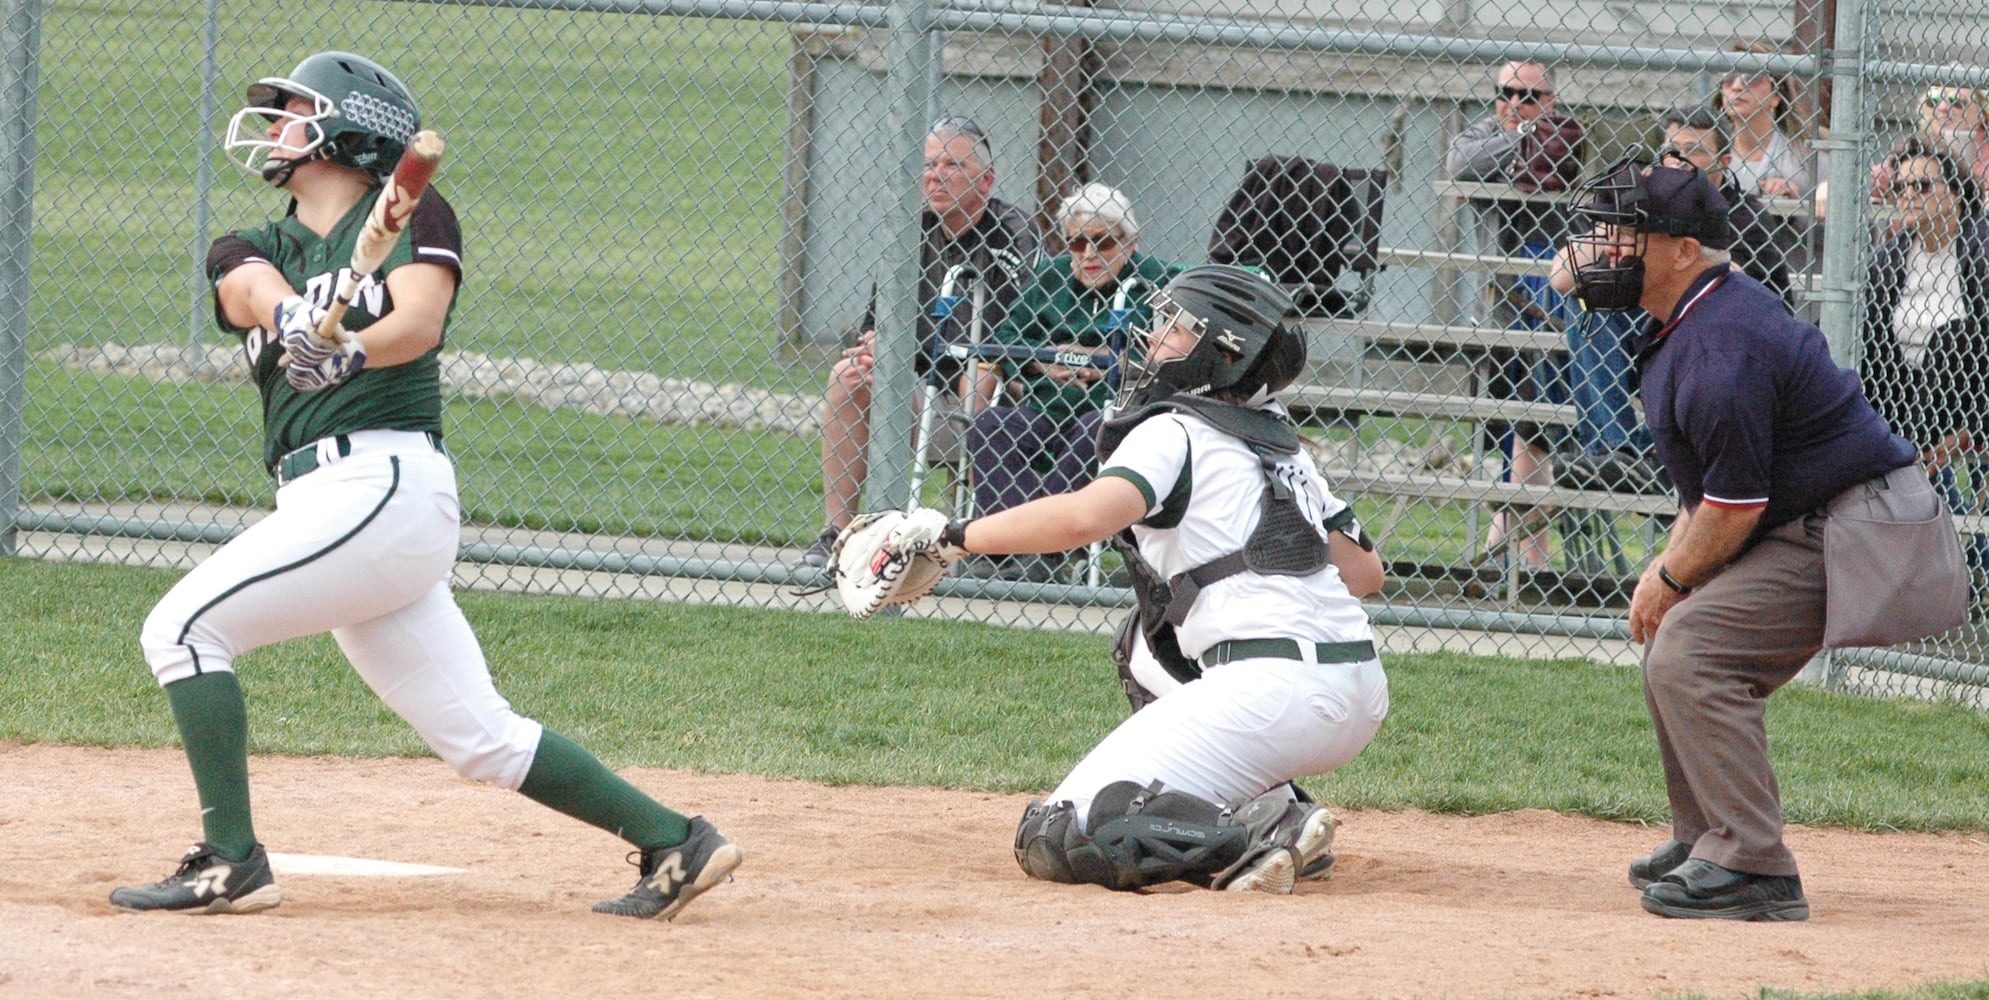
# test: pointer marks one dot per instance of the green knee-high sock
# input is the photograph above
(566, 778)
(214, 726)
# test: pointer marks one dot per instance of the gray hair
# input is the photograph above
(1102, 203)
(1546, 72)
(949, 127)
(1708, 255)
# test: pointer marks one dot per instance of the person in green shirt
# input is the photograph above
(1042, 438)
(363, 540)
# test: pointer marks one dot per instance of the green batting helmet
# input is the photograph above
(362, 117)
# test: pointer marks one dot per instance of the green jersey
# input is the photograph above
(1056, 309)
(404, 397)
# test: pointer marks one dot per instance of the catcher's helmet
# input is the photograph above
(1247, 342)
(362, 117)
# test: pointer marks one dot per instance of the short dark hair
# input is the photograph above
(1957, 177)
(1700, 118)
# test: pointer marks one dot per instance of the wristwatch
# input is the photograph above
(1664, 575)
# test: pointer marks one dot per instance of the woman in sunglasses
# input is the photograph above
(1926, 330)
(1043, 441)
(1951, 119)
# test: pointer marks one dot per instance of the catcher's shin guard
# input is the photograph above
(1139, 837)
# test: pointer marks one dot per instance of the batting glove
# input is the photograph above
(928, 530)
(313, 363)
(342, 363)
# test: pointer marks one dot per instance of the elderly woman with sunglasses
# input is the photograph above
(1043, 440)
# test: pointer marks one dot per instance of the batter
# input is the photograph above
(366, 527)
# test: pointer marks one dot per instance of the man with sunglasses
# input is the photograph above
(963, 224)
(1529, 145)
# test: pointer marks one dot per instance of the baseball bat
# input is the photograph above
(384, 224)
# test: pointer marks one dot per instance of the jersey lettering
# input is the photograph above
(370, 297)
(255, 340)
(1304, 492)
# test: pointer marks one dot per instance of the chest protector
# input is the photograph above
(1284, 543)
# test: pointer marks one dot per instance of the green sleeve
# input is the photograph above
(1025, 323)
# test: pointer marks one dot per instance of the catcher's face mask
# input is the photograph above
(1169, 342)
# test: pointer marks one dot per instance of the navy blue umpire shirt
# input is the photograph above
(1748, 409)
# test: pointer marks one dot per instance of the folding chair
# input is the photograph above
(1109, 359)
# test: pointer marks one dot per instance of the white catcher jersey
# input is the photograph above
(1171, 457)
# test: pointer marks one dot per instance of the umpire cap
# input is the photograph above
(1670, 201)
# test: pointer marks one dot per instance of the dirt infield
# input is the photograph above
(865, 892)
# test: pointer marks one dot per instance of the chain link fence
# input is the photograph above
(678, 215)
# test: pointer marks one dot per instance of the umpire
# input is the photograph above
(1759, 430)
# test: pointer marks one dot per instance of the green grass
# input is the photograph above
(124, 439)
(617, 176)
(961, 705)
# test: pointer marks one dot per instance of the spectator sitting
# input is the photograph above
(963, 223)
(1529, 145)
(1044, 441)
(1951, 119)
(1926, 329)
(1762, 241)
(1764, 160)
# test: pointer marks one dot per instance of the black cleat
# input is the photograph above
(1289, 841)
(672, 876)
(206, 882)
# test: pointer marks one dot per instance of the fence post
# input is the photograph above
(20, 40)
(1843, 269)
(199, 319)
(909, 81)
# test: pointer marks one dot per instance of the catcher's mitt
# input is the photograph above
(869, 575)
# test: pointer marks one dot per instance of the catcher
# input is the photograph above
(1249, 573)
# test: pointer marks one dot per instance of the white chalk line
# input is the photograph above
(329, 864)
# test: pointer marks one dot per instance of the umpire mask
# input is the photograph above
(1608, 257)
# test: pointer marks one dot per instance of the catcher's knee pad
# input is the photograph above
(1044, 839)
(1139, 837)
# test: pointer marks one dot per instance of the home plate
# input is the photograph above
(326, 864)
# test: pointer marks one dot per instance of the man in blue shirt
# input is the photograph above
(1759, 430)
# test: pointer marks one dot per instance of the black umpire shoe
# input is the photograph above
(1700, 889)
(674, 875)
(206, 882)
(1662, 860)
(817, 556)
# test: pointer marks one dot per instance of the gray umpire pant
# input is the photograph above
(1716, 658)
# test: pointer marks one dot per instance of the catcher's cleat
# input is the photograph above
(1275, 871)
(206, 882)
(1285, 839)
(672, 876)
(1314, 843)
